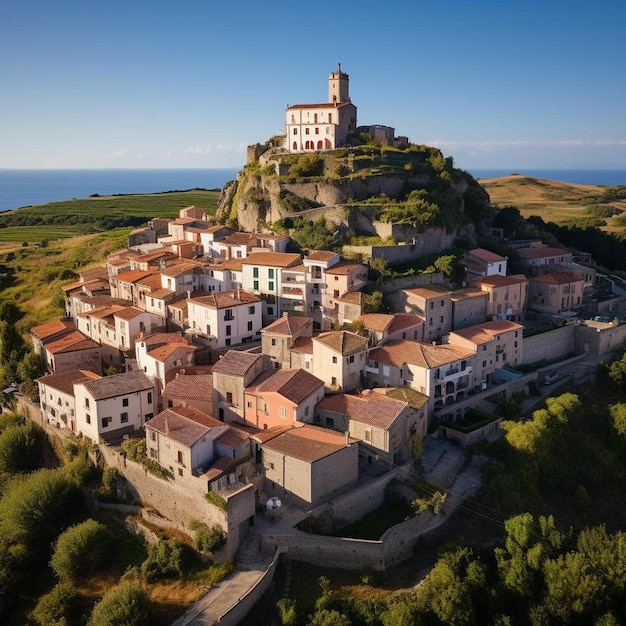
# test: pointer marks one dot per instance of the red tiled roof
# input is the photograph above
(94, 273)
(287, 325)
(404, 320)
(236, 363)
(64, 381)
(274, 259)
(294, 384)
(352, 297)
(342, 268)
(540, 252)
(184, 424)
(189, 387)
(71, 342)
(321, 255)
(556, 279)
(368, 407)
(427, 292)
(303, 345)
(397, 353)
(52, 328)
(131, 276)
(321, 105)
(128, 313)
(497, 280)
(342, 341)
(376, 321)
(226, 299)
(307, 443)
(222, 466)
(486, 255)
(232, 438)
(163, 352)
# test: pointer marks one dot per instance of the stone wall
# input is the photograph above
(554, 344)
(598, 341)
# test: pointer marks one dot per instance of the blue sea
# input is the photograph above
(19, 188)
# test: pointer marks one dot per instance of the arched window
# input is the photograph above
(295, 146)
(295, 131)
(319, 144)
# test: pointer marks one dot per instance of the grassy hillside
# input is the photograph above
(559, 202)
(59, 220)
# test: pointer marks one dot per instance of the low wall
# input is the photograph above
(244, 605)
(598, 340)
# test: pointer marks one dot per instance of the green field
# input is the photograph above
(60, 220)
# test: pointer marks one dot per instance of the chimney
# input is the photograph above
(167, 428)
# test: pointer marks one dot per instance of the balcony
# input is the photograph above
(453, 373)
(292, 280)
(370, 369)
(293, 292)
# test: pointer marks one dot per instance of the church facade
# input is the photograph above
(324, 126)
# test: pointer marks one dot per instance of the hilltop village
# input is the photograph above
(268, 377)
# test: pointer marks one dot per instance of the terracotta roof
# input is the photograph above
(307, 443)
(486, 255)
(153, 281)
(321, 255)
(226, 299)
(221, 466)
(179, 269)
(128, 313)
(343, 268)
(98, 273)
(189, 387)
(401, 321)
(539, 252)
(163, 352)
(131, 276)
(102, 312)
(368, 407)
(302, 345)
(321, 105)
(274, 259)
(352, 297)
(232, 438)
(64, 381)
(161, 294)
(52, 328)
(497, 280)
(466, 293)
(184, 424)
(288, 325)
(236, 363)
(376, 321)
(556, 279)
(342, 341)
(71, 342)
(402, 351)
(154, 339)
(427, 292)
(296, 385)
(100, 301)
(234, 265)
(118, 385)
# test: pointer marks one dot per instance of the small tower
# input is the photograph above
(338, 86)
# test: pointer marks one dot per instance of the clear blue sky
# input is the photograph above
(495, 84)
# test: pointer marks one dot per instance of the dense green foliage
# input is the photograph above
(59, 607)
(21, 448)
(312, 235)
(165, 560)
(207, 539)
(81, 550)
(127, 604)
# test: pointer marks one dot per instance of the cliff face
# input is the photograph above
(334, 185)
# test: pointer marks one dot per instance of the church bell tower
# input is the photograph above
(338, 86)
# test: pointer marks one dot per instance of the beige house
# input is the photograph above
(308, 464)
(555, 293)
(349, 307)
(380, 422)
(113, 406)
(542, 254)
(442, 372)
(56, 396)
(435, 306)
(73, 351)
(506, 295)
(481, 262)
(339, 358)
(191, 386)
(495, 343)
(341, 277)
(231, 375)
(278, 338)
(469, 306)
(324, 126)
(282, 398)
(383, 327)
(182, 440)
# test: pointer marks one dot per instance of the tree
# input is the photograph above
(128, 604)
(165, 560)
(59, 607)
(329, 617)
(81, 549)
(21, 448)
(373, 303)
(30, 367)
(618, 416)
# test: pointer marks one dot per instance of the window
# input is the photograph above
(249, 325)
(255, 272)
(124, 401)
(149, 397)
(86, 402)
(105, 422)
(265, 408)
(273, 342)
(333, 381)
(228, 330)
(336, 277)
(270, 285)
(123, 418)
(351, 359)
(282, 411)
(87, 417)
(227, 342)
(251, 310)
(255, 285)
(249, 404)
(368, 435)
(330, 422)
(152, 435)
(270, 273)
(153, 453)
(180, 471)
(484, 363)
(270, 310)
(334, 359)
(295, 131)
(229, 397)
(271, 466)
(149, 416)
(306, 410)
(306, 131)
(180, 457)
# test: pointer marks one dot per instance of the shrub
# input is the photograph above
(59, 607)
(135, 449)
(110, 477)
(81, 549)
(287, 612)
(127, 604)
(21, 448)
(207, 539)
(165, 560)
(216, 500)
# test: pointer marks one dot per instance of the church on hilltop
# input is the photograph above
(328, 125)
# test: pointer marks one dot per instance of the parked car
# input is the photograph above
(551, 377)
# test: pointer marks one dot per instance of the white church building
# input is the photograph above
(324, 126)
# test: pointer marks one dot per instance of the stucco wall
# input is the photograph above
(598, 342)
(554, 344)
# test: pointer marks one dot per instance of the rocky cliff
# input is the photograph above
(353, 188)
